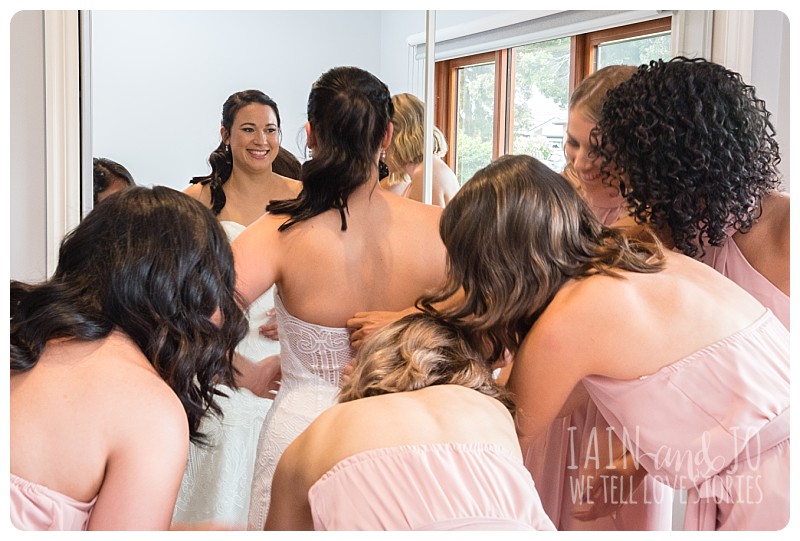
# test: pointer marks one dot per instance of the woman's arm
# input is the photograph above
(364, 324)
(148, 448)
(256, 252)
(289, 508)
(546, 376)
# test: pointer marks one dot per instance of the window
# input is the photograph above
(515, 100)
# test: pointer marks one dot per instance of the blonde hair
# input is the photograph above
(419, 351)
(408, 139)
(590, 95)
(588, 98)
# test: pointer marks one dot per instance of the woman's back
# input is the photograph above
(389, 255)
(72, 430)
(437, 414)
(692, 304)
(412, 460)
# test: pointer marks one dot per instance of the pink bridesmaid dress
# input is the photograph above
(35, 507)
(716, 424)
(565, 462)
(729, 261)
(441, 486)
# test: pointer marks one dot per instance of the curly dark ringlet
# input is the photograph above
(695, 146)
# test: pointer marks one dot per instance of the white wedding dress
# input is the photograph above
(216, 484)
(312, 360)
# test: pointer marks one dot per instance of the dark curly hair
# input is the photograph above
(157, 265)
(221, 160)
(515, 233)
(349, 111)
(695, 146)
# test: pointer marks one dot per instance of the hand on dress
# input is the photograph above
(613, 486)
(270, 328)
(364, 324)
(261, 378)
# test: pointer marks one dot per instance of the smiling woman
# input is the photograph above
(242, 163)
(217, 480)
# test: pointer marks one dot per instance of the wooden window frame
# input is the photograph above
(445, 97)
(582, 59)
(592, 40)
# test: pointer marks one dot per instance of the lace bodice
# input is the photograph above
(311, 350)
(313, 358)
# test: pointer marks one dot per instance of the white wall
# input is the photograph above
(159, 78)
(770, 74)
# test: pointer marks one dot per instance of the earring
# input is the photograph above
(383, 155)
(227, 148)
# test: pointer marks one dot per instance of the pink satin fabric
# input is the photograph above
(447, 486)
(35, 507)
(715, 423)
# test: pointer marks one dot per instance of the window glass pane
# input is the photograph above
(634, 51)
(541, 94)
(474, 119)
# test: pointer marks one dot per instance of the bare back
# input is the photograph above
(444, 183)
(94, 419)
(246, 199)
(624, 329)
(390, 255)
(438, 414)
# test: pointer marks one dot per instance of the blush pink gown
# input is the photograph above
(567, 461)
(729, 261)
(443, 486)
(36, 507)
(716, 424)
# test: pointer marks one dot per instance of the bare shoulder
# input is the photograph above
(767, 245)
(443, 174)
(290, 187)
(582, 310)
(200, 192)
(777, 212)
(149, 406)
(133, 380)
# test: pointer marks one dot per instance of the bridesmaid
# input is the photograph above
(115, 361)
(700, 160)
(401, 446)
(573, 456)
(704, 375)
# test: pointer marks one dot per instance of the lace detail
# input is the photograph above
(217, 480)
(312, 360)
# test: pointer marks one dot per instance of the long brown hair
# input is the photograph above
(515, 233)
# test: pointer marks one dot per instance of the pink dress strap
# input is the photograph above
(36, 507)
